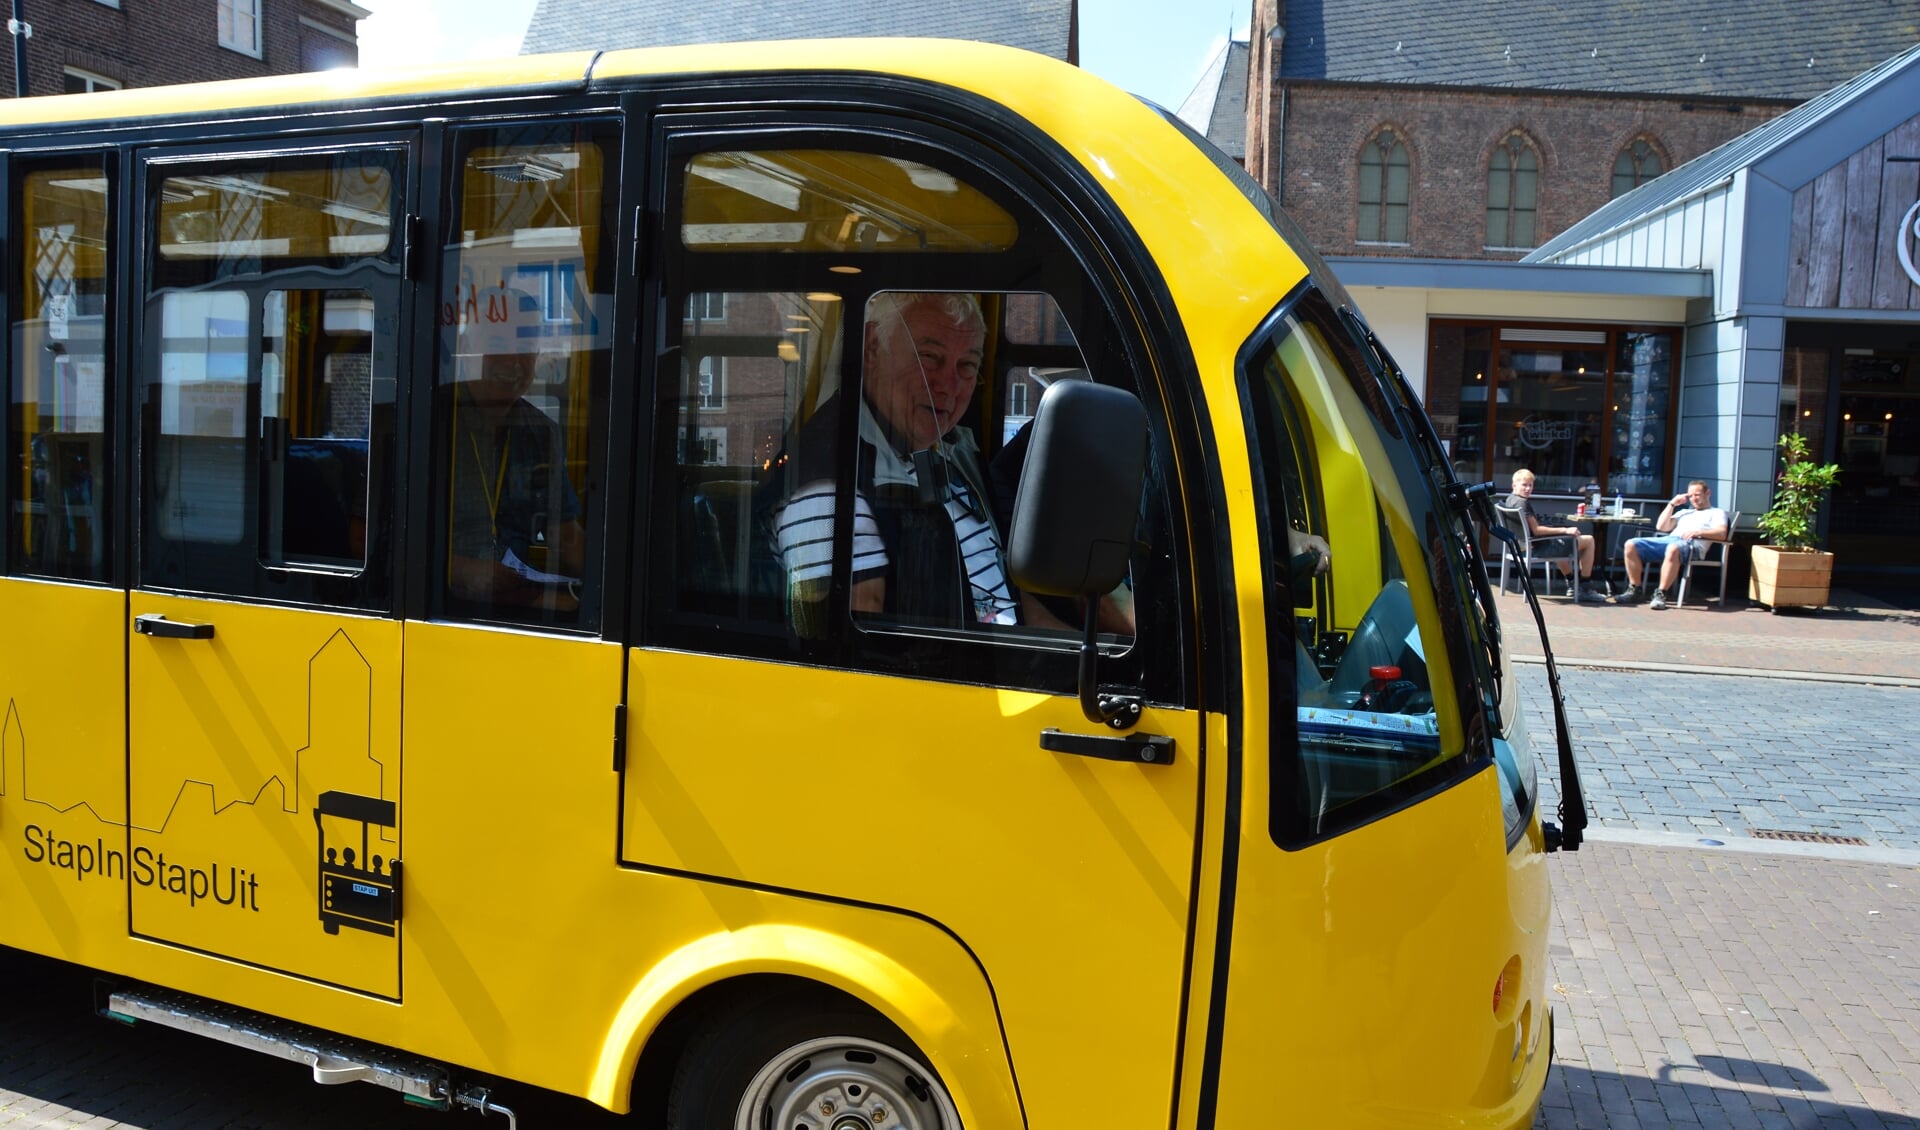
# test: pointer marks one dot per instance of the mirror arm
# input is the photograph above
(1121, 711)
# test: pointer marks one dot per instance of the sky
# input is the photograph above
(1154, 48)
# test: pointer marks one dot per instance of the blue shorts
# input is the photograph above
(1655, 549)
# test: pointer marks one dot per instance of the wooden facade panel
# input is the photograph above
(1862, 232)
(1848, 244)
(1899, 192)
(1798, 245)
(1827, 237)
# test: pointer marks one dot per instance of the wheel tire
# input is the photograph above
(801, 1060)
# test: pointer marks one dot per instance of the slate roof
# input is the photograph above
(1217, 107)
(1716, 165)
(1045, 26)
(1773, 49)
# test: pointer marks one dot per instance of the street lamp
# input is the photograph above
(21, 30)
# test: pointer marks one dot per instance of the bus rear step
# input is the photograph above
(333, 1058)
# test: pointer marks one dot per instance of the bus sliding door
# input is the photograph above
(264, 668)
(62, 759)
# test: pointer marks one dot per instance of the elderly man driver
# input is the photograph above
(1685, 524)
(925, 544)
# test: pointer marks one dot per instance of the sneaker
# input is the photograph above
(1592, 596)
(1633, 595)
(1659, 599)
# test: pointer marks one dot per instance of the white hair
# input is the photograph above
(889, 309)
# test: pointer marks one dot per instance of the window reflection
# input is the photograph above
(59, 377)
(519, 406)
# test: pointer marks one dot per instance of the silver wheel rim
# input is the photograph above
(844, 1083)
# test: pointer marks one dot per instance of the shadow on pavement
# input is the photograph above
(1766, 1095)
(1738, 1069)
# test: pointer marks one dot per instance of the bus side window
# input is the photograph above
(851, 344)
(59, 377)
(519, 406)
(755, 368)
(269, 422)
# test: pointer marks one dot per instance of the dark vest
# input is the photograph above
(926, 578)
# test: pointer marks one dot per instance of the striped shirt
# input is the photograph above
(804, 532)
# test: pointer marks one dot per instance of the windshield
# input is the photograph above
(1376, 618)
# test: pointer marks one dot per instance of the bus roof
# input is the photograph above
(1226, 273)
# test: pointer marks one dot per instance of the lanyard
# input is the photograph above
(499, 479)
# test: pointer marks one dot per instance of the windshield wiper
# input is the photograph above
(1476, 500)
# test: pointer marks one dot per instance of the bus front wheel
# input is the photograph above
(805, 1060)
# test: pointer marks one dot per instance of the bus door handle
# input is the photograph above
(155, 624)
(1143, 749)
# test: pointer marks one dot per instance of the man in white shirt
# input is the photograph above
(1686, 524)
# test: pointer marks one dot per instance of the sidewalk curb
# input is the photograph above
(1707, 841)
(1750, 672)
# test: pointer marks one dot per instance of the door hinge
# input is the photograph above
(620, 737)
(411, 245)
(633, 258)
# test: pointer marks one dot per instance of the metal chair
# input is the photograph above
(1511, 519)
(1714, 558)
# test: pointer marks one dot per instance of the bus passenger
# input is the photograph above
(925, 543)
(514, 529)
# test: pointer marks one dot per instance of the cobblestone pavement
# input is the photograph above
(1726, 755)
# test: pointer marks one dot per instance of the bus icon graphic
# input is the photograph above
(357, 888)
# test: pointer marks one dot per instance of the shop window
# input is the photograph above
(1384, 181)
(1576, 405)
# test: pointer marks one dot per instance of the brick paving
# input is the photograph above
(1857, 636)
(1698, 988)
(1704, 986)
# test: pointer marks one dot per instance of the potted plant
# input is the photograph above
(1791, 571)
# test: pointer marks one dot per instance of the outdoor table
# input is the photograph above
(1613, 549)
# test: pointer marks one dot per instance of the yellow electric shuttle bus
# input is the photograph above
(829, 584)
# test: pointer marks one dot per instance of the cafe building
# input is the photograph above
(1770, 285)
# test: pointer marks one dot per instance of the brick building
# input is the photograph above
(82, 45)
(1459, 129)
(1656, 328)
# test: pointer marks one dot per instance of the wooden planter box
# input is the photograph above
(1787, 579)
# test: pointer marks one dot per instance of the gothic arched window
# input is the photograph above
(1637, 164)
(1383, 189)
(1513, 182)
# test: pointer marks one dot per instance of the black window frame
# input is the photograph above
(106, 477)
(1157, 662)
(599, 595)
(242, 574)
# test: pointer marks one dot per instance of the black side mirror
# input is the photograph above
(1075, 513)
(1079, 498)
